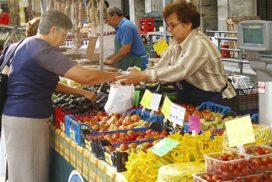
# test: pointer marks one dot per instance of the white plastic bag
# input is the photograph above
(120, 99)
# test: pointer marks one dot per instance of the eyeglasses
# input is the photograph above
(173, 25)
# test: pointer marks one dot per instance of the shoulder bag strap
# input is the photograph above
(9, 55)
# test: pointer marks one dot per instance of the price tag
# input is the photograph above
(240, 131)
(155, 103)
(173, 112)
(166, 107)
(160, 46)
(146, 100)
(151, 101)
(177, 114)
(164, 146)
(194, 124)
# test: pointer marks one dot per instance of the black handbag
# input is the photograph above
(4, 78)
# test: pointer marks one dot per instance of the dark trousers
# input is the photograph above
(189, 94)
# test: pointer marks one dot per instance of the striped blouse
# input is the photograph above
(196, 60)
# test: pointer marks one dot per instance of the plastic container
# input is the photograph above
(267, 176)
(227, 170)
(251, 178)
(261, 158)
(197, 178)
(214, 107)
(74, 130)
(147, 116)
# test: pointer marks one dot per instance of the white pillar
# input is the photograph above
(132, 12)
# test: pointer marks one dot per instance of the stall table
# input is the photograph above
(66, 156)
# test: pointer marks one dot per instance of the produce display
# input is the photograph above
(111, 122)
(125, 142)
(77, 104)
(209, 120)
(135, 147)
(130, 135)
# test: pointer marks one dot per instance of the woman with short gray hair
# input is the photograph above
(33, 76)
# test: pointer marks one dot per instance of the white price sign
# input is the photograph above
(177, 114)
(155, 102)
(151, 100)
(173, 112)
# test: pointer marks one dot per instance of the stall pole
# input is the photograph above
(164, 23)
(101, 40)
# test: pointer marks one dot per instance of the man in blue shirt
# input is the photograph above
(129, 47)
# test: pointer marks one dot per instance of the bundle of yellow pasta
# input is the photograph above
(144, 166)
(180, 172)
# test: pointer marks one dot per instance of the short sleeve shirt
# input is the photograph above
(34, 73)
(108, 38)
(127, 33)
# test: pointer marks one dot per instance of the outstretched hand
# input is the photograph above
(90, 95)
(131, 76)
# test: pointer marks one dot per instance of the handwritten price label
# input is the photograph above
(151, 100)
(173, 112)
(240, 131)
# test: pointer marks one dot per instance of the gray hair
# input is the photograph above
(114, 11)
(54, 18)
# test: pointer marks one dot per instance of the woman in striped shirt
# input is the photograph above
(192, 61)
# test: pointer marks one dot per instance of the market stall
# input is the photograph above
(143, 133)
